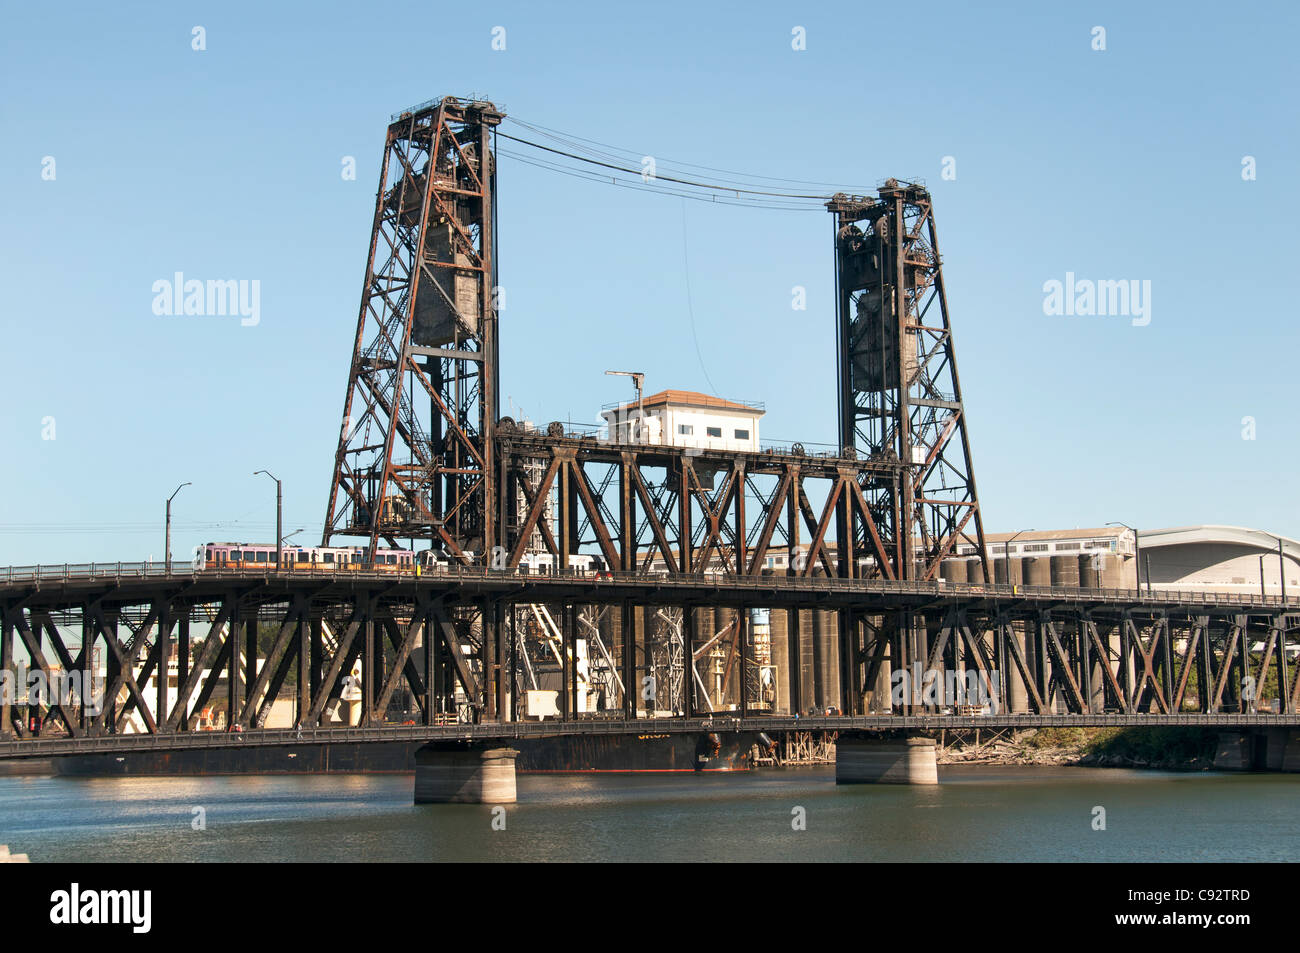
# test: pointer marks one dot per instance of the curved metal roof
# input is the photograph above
(1230, 535)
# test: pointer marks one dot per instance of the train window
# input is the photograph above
(303, 556)
(261, 557)
(209, 554)
(685, 430)
(236, 555)
(329, 557)
(714, 431)
(742, 434)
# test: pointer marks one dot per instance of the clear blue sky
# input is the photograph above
(225, 163)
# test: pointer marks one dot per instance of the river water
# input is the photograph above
(976, 813)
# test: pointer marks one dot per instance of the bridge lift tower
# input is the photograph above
(415, 457)
(899, 393)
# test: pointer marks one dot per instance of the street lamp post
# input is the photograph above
(1281, 566)
(1006, 554)
(167, 533)
(1137, 555)
(279, 511)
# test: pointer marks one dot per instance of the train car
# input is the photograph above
(336, 558)
(546, 562)
(391, 560)
(430, 560)
(237, 556)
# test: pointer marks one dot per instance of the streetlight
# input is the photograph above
(1281, 566)
(1006, 554)
(279, 498)
(167, 535)
(1137, 555)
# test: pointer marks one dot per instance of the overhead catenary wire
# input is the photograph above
(668, 178)
(580, 144)
(712, 198)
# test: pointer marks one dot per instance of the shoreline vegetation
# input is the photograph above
(1163, 748)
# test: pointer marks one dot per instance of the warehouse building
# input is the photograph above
(1227, 559)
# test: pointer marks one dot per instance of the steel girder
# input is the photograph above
(462, 657)
(1077, 659)
(692, 511)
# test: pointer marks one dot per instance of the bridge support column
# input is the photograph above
(465, 773)
(862, 759)
(1289, 749)
(1277, 744)
(1235, 751)
(1264, 749)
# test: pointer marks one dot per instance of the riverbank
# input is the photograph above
(1178, 749)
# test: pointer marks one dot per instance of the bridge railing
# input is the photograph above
(154, 570)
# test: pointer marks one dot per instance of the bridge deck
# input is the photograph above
(72, 585)
(507, 731)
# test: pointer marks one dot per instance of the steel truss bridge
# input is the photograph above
(1066, 655)
(425, 455)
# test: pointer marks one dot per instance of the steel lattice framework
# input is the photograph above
(687, 510)
(415, 452)
(899, 393)
(251, 637)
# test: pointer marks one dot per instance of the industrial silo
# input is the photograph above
(953, 570)
(1087, 575)
(826, 642)
(1064, 571)
(807, 662)
(1112, 571)
(1000, 567)
(1036, 571)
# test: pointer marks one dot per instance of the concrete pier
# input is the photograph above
(464, 773)
(867, 760)
(1265, 749)
(1235, 751)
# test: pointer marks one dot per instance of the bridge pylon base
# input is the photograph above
(1267, 749)
(862, 759)
(465, 773)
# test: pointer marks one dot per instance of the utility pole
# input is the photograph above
(167, 533)
(1281, 565)
(638, 378)
(1006, 555)
(279, 513)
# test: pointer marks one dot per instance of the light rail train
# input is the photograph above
(358, 558)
